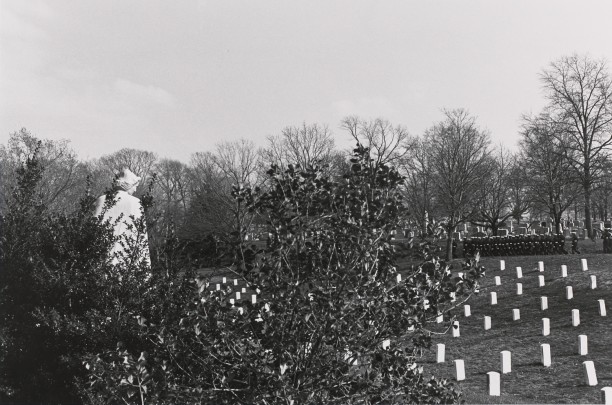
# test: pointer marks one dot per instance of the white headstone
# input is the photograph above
(546, 360)
(455, 328)
(545, 326)
(493, 298)
(467, 310)
(516, 314)
(606, 395)
(541, 281)
(441, 353)
(593, 282)
(497, 280)
(585, 267)
(602, 307)
(426, 304)
(244, 290)
(235, 281)
(253, 299)
(487, 322)
(506, 362)
(589, 373)
(386, 343)
(218, 287)
(544, 303)
(224, 280)
(439, 318)
(399, 278)
(232, 301)
(569, 292)
(494, 383)
(502, 265)
(459, 370)
(267, 307)
(541, 266)
(453, 296)
(237, 295)
(519, 289)
(575, 317)
(563, 270)
(583, 345)
(519, 272)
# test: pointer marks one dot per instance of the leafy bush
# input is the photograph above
(330, 323)
(61, 300)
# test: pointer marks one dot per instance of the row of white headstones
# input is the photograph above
(494, 377)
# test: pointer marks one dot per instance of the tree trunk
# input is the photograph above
(449, 243)
(587, 210)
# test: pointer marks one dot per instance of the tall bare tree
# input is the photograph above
(495, 203)
(418, 186)
(579, 92)
(552, 182)
(460, 157)
(388, 144)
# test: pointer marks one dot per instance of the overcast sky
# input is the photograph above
(178, 77)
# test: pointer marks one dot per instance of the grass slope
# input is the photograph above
(529, 381)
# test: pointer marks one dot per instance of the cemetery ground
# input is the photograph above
(529, 381)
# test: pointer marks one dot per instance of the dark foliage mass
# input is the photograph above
(330, 322)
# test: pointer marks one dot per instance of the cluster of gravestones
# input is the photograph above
(494, 377)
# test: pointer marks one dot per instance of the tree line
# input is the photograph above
(453, 174)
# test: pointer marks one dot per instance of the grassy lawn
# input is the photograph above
(529, 381)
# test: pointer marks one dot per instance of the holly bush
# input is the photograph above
(333, 319)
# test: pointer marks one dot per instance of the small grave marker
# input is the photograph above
(459, 370)
(224, 280)
(506, 362)
(593, 282)
(218, 287)
(606, 395)
(487, 322)
(244, 290)
(519, 272)
(546, 360)
(232, 301)
(585, 267)
(602, 307)
(235, 281)
(426, 304)
(253, 299)
(575, 317)
(502, 265)
(441, 353)
(494, 383)
(386, 343)
(453, 296)
(497, 280)
(589, 373)
(439, 318)
(563, 270)
(541, 266)
(545, 326)
(493, 298)
(541, 281)
(455, 328)
(519, 289)
(516, 314)
(569, 292)
(544, 303)
(399, 278)
(467, 311)
(237, 295)
(583, 345)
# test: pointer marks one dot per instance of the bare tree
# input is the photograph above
(418, 187)
(172, 193)
(461, 160)
(518, 189)
(552, 182)
(388, 144)
(495, 203)
(305, 145)
(215, 176)
(579, 92)
(138, 161)
(63, 181)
